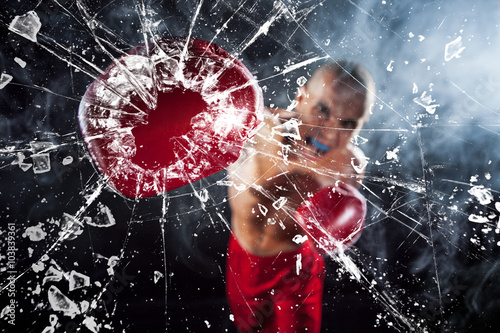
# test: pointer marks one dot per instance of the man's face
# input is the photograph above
(330, 113)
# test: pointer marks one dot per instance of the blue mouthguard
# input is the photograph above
(319, 145)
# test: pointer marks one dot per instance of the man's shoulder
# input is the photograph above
(357, 153)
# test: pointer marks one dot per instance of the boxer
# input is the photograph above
(274, 280)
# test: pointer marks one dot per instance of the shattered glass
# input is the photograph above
(77, 256)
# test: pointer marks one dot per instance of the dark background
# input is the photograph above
(425, 265)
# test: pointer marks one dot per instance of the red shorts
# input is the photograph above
(281, 293)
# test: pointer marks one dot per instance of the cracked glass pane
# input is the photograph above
(116, 220)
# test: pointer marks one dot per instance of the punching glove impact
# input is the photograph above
(168, 113)
(333, 218)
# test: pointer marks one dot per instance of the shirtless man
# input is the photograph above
(274, 282)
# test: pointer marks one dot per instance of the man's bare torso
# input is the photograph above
(270, 183)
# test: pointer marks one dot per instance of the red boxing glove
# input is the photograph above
(168, 113)
(334, 217)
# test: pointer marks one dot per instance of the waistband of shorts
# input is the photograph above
(303, 249)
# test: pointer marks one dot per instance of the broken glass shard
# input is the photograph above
(53, 320)
(227, 183)
(157, 276)
(263, 209)
(289, 129)
(20, 62)
(67, 160)
(84, 306)
(60, 302)
(112, 262)
(299, 239)
(453, 49)
(26, 25)
(390, 67)
(71, 228)
(91, 324)
(478, 218)
(37, 290)
(38, 266)
(4, 80)
(78, 280)
(103, 219)
(482, 194)
(301, 81)
(427, 102)
(278, 204)
(35, 233)
(41, 163)
(25, 166)
(52, 274)
(4, 312)
(20, 157)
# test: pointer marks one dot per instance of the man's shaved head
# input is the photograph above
(334, 105)
(349, 75)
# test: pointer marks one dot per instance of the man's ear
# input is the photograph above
(301, 94)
